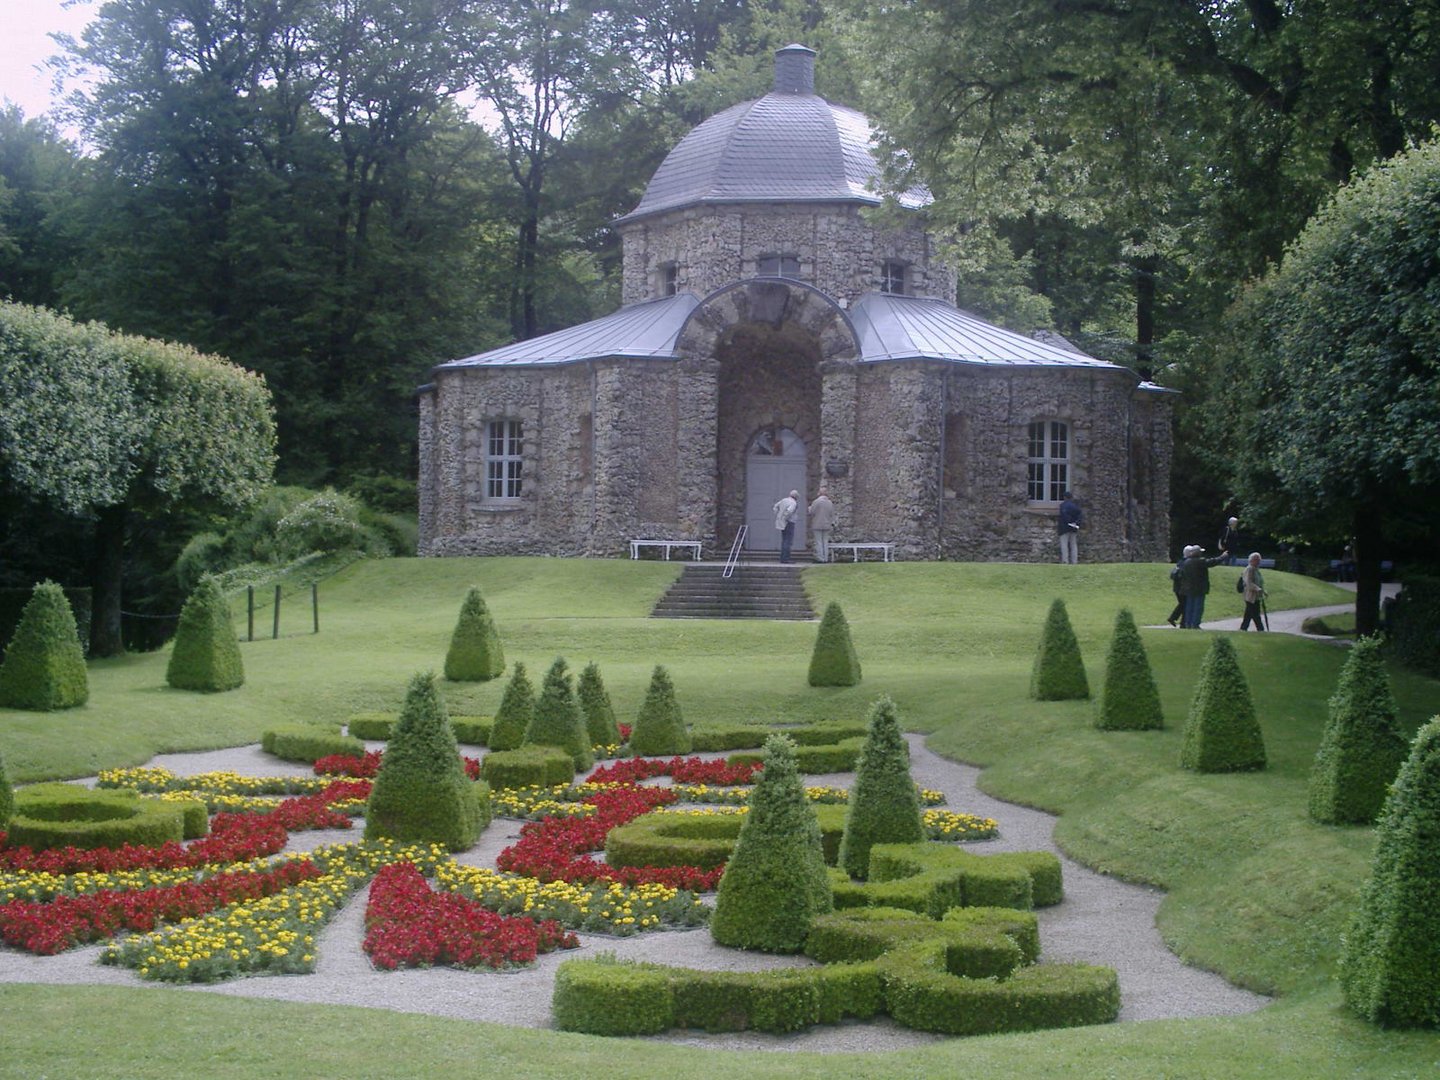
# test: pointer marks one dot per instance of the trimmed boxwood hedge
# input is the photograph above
(206, 653)
(605, 996)
(884, 805)
(595, 704)
(660, 839)
(917, 970)
(475, 654)
(932, 878)
(752, 736)
(44, 666)
(660, 727)
(775, 882)
(1362, 748)
(530, 765)
(470, 730)
(1130, 700)
(838, 757)
(421, 793)
(1059, 672)
(1222, 733)
(308, 743)
(1392, 952)
(558, 720)
(61, 815)
(517, 709)
(834, 661)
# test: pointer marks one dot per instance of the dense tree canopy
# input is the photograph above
(1324, 396)
(97, 424)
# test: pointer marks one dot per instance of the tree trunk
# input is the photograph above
(1368, 538)
(105, 578)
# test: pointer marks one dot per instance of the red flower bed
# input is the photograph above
(408, 924)
(368, 767)
(232, 838)
(551, 850)
(691, 770)
(66, 921)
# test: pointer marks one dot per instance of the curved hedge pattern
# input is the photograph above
(49, 816)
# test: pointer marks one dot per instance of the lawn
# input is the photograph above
(1255, 890)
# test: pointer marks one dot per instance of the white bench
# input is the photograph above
(693, 545)
(887, 551)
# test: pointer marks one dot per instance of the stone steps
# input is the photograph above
(751, 592)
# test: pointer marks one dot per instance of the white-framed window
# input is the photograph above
(778, 266)
(669, 278)
(504, 444)
(1049, 473)
(892, 277)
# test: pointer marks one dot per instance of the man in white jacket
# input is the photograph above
(785, 511)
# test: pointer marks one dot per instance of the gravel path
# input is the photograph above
(1101, 921)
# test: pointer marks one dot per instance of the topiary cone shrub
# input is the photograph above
(595, 704)
(1362, 749)
(775, 883)
(517, 709)
(884, 805)
(206, 655)
(44, 666)
(1221, 732)
(1059, 673)
(1130, 700)
(475, 654)
(558, 720)
(834, 662)
(7, 797)
(660, 728)
(421, 794)
(1390, 967)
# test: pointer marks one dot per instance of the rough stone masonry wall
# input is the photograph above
(840, 252)
(909, 418)
(612, 451)
(554, 511)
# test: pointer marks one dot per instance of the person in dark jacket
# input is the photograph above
(1195, 584)
(1179, 612)
(1067, 524)
(1230, 540)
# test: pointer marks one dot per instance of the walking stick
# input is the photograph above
(1264, 615)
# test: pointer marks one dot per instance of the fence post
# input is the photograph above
(249, 612)
(275, 634)
(315, 604)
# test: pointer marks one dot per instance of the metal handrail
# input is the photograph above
(735, 550)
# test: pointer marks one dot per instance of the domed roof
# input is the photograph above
(789, 146)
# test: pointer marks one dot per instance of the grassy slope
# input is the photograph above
(1256, 891)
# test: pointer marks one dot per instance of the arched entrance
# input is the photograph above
(774, 466)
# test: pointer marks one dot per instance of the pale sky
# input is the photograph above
(24, 46)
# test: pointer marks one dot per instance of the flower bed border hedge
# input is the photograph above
(530, 766)
(306, 744)
(970, 973)
(59, 815)
(378, 726)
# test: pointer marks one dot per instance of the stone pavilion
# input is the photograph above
(773, 336)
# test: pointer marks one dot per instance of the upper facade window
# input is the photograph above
(1049, 475)
(505, 440)
(892, 277)
(778, 266)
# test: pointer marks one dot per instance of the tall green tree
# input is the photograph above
(1181, 143)
(291, 184)
(165, 427)
(1324, 394)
